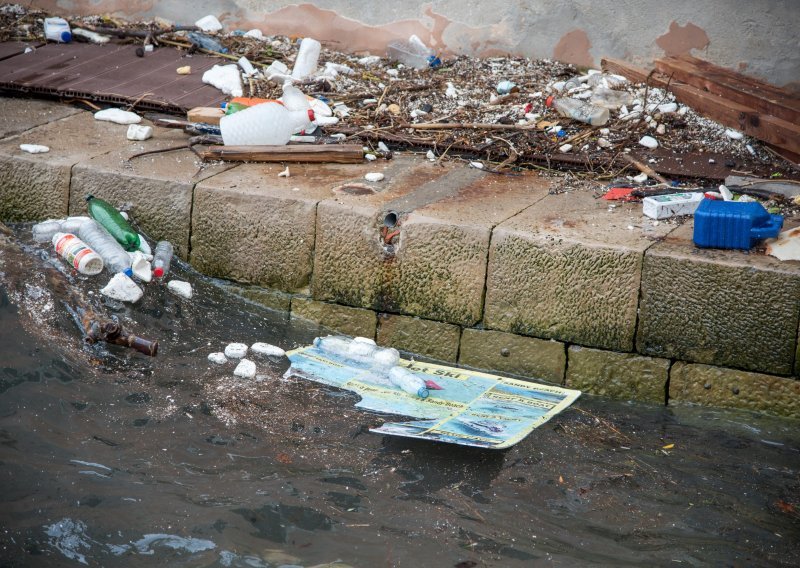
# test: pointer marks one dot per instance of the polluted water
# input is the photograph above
(114, 458)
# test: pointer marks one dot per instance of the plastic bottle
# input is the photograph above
(269, 124)
(114, 256)
(78, 254)
(408, 381)
(295, 100)
(413, 53)
(111, 219)
(162, 257)
(610, 99)
(57, 29)
(359, 350)
(579, 110)
(206, 42)
(43, 232)
(305, 63)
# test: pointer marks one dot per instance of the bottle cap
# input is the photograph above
(128, 272)
(66, 37)
(423, 392)
(158, 272)
(311, 115)
(549, 101)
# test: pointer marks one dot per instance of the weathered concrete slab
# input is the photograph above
(157, 187)
(420, 336)
(625, 376)
(252, 226)
(267, 297)
(36, 186)
(357, 322)
(537, 359)
(730, 388)
(435, 264)
(568, 268)
(719, 307)
(20, 115)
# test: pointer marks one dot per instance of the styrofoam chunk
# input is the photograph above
(235, 350)
(118, 116)
(139, 132)
(648, 142)
(209, 23)
(374, 176)
(245, 369)
(180, 288)
(267, 350)
(565, 148)
(218, 358)
(122, 288)
(34, 148)
(733, 134)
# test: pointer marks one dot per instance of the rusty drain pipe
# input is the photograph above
(112, 332)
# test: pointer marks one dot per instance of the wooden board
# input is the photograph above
(767, 128)
(340, 154)
(732, 86)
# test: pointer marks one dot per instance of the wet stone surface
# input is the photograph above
(110, 458)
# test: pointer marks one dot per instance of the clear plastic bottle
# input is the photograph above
(43, 232)
(359, 350)
(413, 53)
(404, 379)
(162, 257)
(114, 256)
(78, 254)
(266, 124)
(610, 99)
(113, 222)
(579, 110)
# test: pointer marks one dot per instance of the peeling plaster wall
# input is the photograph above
(757, 37)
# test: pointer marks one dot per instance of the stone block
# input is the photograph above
(34, 187)
(727, 308)
(535, 359)
(434, 263)
(267, 297)
(731, 388)
(432, 339)
(569, 269)
(625, 376)
(346, 320)
(17, 116)
(252, 226)
(158, 188)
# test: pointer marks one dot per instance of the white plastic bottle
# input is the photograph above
(101, 241)
(404, 379)
(360, 350)
(78, 254)
(268, 124)
(57, 29)
(305, 63)
(295, 100)
(579, 110)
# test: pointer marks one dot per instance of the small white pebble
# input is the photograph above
(430, 155)
(392, 72)
(667, 108)
(712, 161)
(733, 134)
(631, 227)
(383, 147)
(218, 358)
(605, 131)
(245, 369)
(648, 142)
(34, 148)
(374, 176)
(267, 350)
(180, 288)
(285, 173)
(641, 178)
(235, 350)
(661, 129)
(370, 157)
(565, 148)
(476, 165)
(603, 143)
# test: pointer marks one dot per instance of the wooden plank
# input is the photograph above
(760, 86)
(767, 128)
(711, 79)
(340, 154)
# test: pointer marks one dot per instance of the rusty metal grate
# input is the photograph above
(110, 73)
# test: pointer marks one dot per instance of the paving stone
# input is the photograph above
(157, 188)
(569, 269)
(435, 265)
(34, 187)
(536, 359)
(346, 320)
(719, 307)
(20, 115)
(252, 226)
(432, 339)
(626, 376)
(731, 388)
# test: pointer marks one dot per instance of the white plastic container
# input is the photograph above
(666, 206)
(579, 110)
(307, 58)
(57, 29)
(78, 254)
(267, 124)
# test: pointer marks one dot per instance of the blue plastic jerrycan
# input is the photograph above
(733, 225)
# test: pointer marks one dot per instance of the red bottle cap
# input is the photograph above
(311, 115)
(549, 101)
(158, 272)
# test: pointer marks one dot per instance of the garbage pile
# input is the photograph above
(105, 240)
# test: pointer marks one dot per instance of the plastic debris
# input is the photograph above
(565, 148)
(254, 33)
(78, 254)
(141, 267)
(122, 288)
(476, 165)
(305, 63)
(267, 350)
(374, 176)
(413, 53)
(648, 142)
(218, 358)
(185, 70)
(180, 288)
(34, 148)
(733, 225)
(226, 78)
(118, 116)
(235, 350)
(285, 173)
(786, 246)
(733, 134)
(139, 132)
(666, 206)
(91, 36)
(246, 369)
(209, 23)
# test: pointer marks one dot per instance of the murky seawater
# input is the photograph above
(110, 458)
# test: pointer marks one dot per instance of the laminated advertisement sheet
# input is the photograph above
(464, 407)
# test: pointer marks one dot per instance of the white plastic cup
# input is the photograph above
(78, 254)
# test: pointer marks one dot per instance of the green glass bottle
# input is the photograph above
(113, 222)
